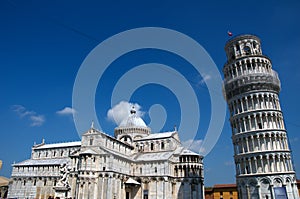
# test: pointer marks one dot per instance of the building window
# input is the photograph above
(162, 145)
(248, 65)
(91, 141)
(259, 125)
(193, 187)
(152, 146)
(247, 50)
(103, 168)
(155, 169)
(141, 170)
(146, 193)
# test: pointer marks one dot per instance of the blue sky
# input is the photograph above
(43, 44)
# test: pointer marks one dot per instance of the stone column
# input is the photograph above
(247, 144)
(250, 165)
(255, 163)
(272, 191)
(262, 163)
(253, 145)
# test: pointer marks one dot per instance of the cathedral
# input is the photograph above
(134, 163)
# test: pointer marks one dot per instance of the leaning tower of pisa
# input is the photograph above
(261, 151)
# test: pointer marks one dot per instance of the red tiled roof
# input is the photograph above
(225, 186)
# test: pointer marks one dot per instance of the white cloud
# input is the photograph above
(122, 110)
(66, 111)
(33, 117)
(194, 145)
(21, 111)
(37, 120)
(204, 79)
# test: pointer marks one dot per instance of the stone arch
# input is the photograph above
(126, 138)
(253, 188)
(289, 186)
(277, 182)
(288, 180)
(265, 187)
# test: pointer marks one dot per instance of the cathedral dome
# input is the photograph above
(133, 120)
(132, 126)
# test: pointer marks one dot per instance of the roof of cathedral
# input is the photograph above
(153, 156)
(158, 135)
(188, 152)
(184, 151)
(89, 151)
(133, 120)
(58, 145)
(48, 161)
(132, 181)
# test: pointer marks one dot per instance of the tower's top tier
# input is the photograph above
(242, 46)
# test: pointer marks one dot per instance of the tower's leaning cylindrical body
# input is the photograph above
(261, 152)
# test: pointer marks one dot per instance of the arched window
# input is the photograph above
(162, 145)
(176, 171)
(247, 50)
(152, 146)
